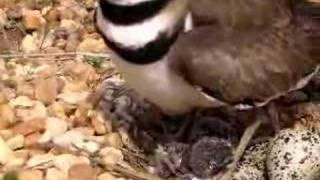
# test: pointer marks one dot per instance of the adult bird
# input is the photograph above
(240, 53)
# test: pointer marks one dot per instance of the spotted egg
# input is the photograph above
(252, 164)
(294, 154)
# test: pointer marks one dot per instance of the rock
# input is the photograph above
(30, 174)
(70, 26)
(32, 139)
(111, 156)
(64, 161)
(114, 140)
(106, 176)
(30, 44)
(294, 155)
(29, 127)
(69, 139)
(73, 98)
(82, 172)
(6, 154)
(55, 174)
(42, 160)
(88, 146)
(98, 124)
(16, 142)
(54, 128)
(37, 111)
(92, 45)
(46, 90)
(7, 116)
(32, 19)
(22, 101)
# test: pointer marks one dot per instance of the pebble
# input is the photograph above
(54, 128)
(63, 162)
(31, 174)
(295, 154)
(82, 172)
(55, 174)
(29, 127)
(5, 152)
(16, 142)
(111, 156)
(40, 161)
(114, 140)
(106, 176)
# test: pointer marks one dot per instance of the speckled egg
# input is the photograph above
(294, 155)
(252, 164)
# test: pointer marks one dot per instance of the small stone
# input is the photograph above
(69, 139)
(5, 152)
(82, 172)
(29, 127)
(32, 19)
(89, 146)
(46, 90)
(16, 142)
(92, 45)
(64, 161)
(42, 160)
(114, 140)
(99, 125)
(7, 116)
(30, 44)
(111, 156)
(106, 176)
(73, 98)
(37, 111)
(31, 174)
(22, 101)
(55, 174)
(54, 128)
(32, 139)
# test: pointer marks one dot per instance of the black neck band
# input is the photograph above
(125, 15)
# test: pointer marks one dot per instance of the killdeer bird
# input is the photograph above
(241, 54)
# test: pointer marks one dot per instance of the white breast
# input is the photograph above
(157, 83)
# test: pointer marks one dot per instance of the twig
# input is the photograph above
(41, 55)
(245, 139)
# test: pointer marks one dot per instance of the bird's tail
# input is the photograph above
(307, 15)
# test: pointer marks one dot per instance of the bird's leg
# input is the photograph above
(273, 115)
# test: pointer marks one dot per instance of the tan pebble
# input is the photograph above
(70, 25)
(5, 152)
(88, 146)
(92, 45)
(73, 98)
(55, 174)
(16, 142)
(114, 140)
(30, 175)
(26, 89)
(30, 44)
(86, 131)
(54, 127)
(68, 139)
(57, 109)
(22, 101)
(29, 127)
(32, 139)
(64, 161)
(3, 98)
(111, 156)
(46, 90)
(98, 125)
(82, 172)
(42, 160)
(6, 134)
(7, 116)
(32, 20)
(106, 176)
(38, 111)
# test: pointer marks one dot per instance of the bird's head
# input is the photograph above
(140, 31)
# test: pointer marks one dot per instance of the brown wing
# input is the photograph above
(236, 13)
(243, 66)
